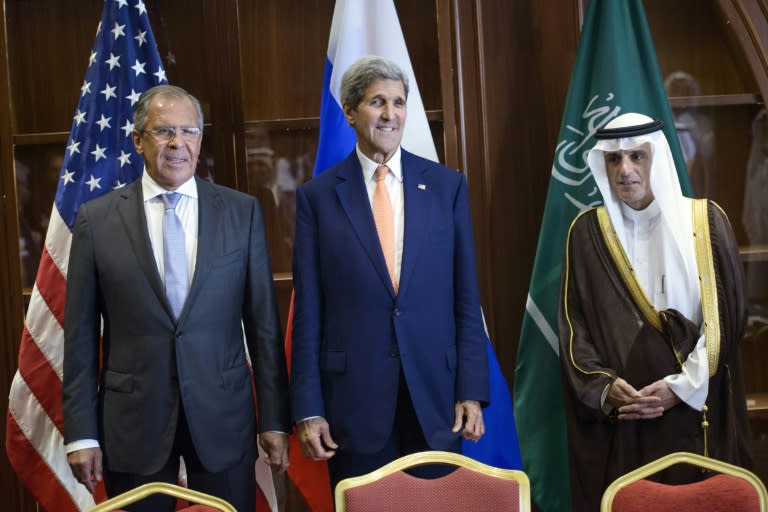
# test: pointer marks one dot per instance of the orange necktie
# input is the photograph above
(385, 223)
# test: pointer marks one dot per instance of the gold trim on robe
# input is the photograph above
(628, 275)
(707, 283)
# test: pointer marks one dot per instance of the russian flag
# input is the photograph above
(371, 27)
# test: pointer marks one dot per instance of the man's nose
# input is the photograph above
(176, 139)
(387, 111)
(626, 164)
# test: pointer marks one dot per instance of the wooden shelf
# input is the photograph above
(716, 100)
(311, 123)
(757, 402)
(753, 253)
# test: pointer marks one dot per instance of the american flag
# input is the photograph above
(99, 157)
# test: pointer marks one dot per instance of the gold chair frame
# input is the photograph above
(694, 459)
(437, 457)
(141, 492)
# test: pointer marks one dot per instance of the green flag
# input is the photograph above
(615, 72)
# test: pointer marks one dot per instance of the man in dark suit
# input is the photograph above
(389, 350)
(173, 302)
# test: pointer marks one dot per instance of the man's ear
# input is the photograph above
(137, 141)
(348, 115)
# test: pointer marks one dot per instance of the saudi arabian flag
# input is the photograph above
(615, 72)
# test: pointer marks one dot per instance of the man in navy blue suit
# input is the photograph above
(389, 352)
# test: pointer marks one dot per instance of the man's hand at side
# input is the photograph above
(86, 466)
(275, 444)
(315, 437)
(470, 415)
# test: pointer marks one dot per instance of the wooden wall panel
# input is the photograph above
(515, 62)
(284, 45)
(48, 46)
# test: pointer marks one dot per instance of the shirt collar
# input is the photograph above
(151, 189)
(369, 166)
(648, 214)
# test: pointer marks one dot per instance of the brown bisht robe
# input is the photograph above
(607, 332)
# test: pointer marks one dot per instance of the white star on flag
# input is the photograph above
(93, 182)
(108, 92)
(86, 88)
(139, 67)
(98, 153)
(141, 38)
(118, 30)
(104, 122)
(160, 74)
(113, 61)
(128, 127)
(125, 158)
(134, 96)
(79, 117)
(68, 176)
(73, 148)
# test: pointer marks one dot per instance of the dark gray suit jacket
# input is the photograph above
(129, 397)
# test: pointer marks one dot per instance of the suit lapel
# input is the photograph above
(416, 197)
(209, 208)
(134, 219)
(353, 197)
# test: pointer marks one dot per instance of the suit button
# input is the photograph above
(397, 312)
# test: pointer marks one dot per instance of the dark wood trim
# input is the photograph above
(15, 496)
(464, 107)
(447, 53)
(715, 100)
(31, 139)
(746, 34)
(310, 123)
(222, 56)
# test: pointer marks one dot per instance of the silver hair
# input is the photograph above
(141, 110)
(365, 70)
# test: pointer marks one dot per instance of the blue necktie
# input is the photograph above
(174, 254)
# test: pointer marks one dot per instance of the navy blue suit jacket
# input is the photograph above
(351, 332)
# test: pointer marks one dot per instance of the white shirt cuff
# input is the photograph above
(692, 384)
(81, 444)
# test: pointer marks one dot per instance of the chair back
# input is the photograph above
(732, 489)
(198, 501)
(472, 486)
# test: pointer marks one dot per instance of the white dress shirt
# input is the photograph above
(186, 210)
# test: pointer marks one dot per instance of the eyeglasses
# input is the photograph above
(166, 134)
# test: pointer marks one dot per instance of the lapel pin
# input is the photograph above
(422, 186)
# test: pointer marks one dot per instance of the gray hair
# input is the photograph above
(141, 109)
(362, 72)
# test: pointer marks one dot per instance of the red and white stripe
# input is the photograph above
(34, 440)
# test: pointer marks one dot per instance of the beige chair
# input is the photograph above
(731, 489)
(198, 501)
(472, 486)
